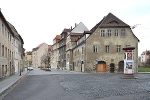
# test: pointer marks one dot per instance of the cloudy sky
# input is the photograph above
(39, 21)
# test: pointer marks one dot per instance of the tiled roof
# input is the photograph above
(34, 49)
(145, 52)
(29, 52)
(66, 30)
(57, 37)
(50, 47)
(112, 21)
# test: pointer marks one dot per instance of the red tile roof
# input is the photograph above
(50, 48)
(29, 52)
(37, 47)
(57, 37)
(145, 52)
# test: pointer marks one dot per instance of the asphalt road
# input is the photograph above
(41, 85)
(65, 85)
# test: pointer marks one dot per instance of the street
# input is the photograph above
(66, 85)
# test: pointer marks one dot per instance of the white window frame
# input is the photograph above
(95, 48)
(107, 48)
(123, 32)
(109, 33)
(102, 33)
(116, 32)
(118, 48)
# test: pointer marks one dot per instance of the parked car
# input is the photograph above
(29, 68)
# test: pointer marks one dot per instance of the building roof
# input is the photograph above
(16, 34)
(66, 30)
(146, 52)
(57, 37)
(34, 49)
(5, 21)
(80, 28)
(29, 52)
(112, 21)
(50, 48)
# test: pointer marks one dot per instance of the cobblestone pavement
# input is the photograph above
(106, 85)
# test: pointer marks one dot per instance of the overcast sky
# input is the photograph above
(39, 21)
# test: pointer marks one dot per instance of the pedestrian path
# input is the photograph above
(10, 81)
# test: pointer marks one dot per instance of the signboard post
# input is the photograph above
(128, 62)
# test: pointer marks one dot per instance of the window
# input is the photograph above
(116, 32)
(118, 48)
(68, 56)
(2, 50)
(107, 48)
(102, 33)
(123, 32)
(12, 55)
(75, 53)
(2, 28)
(5, 51)
(5, 31)
(109, 33)
(10, 37)
(8, 53)
(82, 50)
(95, 48)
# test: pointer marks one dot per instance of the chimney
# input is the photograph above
(71, 27)
(75, 24)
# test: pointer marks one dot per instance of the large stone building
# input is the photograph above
(28, 59)
(37, 54)
(62, 49)
(8, 48)
(18, 50)
(55, 57)
(78, 50)
(104, 46)
(145, 58)
(71, 41)
(97, 50)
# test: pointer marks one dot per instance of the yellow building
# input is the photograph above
(28, 59)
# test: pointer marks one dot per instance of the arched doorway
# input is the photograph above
(121, 67)
(112, 68)
(101, 66)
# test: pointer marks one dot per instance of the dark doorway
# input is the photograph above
(72, 66)
(112, 68)
(121, 67)
(82, 66)
(10, 68)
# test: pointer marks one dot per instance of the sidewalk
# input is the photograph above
(7, 83)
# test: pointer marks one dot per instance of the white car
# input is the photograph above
(30, 68)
